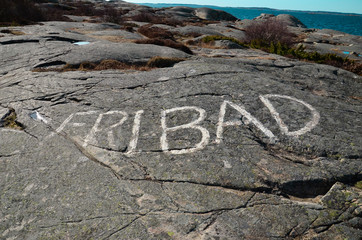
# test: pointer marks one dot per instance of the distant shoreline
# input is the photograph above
(343, 22)
(252, 8)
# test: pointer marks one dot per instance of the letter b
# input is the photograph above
(193, 125)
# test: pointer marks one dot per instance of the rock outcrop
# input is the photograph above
(229, 143)
(288, 19)
(320, 40)
(212, 14)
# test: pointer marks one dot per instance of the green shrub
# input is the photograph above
(300, 53)
(9, 121)
(212, 38)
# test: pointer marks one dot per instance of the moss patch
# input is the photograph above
(358, 184)
(212, 38)
(9, 121)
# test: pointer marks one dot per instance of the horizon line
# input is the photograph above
(322, 11)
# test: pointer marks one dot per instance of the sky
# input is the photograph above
(345, 6)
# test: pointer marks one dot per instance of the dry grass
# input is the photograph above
(155, 32)
(116, 39)
(11, 31)
(356, 98)
(114, 64)
(155, 62)
(103, 65)
(163, 62)
(167, 43)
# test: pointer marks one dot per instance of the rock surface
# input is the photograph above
(212, 14)
(228, 144)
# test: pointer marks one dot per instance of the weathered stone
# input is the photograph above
(3, 113)
(229, 144)
(227, 44)
(290, 20)
(213, 14)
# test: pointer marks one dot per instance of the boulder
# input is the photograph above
(290, 20)
(264, 16)
(97, 51)
(213, 15)
(192, 30)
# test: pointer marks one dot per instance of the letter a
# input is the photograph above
(221, 124)
(193, 125)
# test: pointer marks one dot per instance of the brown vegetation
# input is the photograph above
(152, 18)
(12, 31)
(165, 42)
(155, 32)
(20, 12)
(9, 121)
(162, 62)
(155, 62)
(161, 37)
(15, 12)
(269, 31)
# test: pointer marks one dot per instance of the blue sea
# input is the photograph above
(344, 22)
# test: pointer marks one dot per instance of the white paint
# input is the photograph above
(163, 78)
(284, 129)
(249, 119)
(135, 132)
(78, 124)
(193, 125)
(226, 164)
(91, 136)
(66, 121)
(36, 116)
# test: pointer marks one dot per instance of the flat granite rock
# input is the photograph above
(228, 144)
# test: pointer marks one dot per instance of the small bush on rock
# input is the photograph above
(112, 15)
(269, 31)
(212, 38)
(300, 53)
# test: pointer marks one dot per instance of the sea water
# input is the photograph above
(344, 22)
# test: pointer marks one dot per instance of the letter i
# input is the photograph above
(135, 132)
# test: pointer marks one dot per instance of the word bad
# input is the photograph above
(194, 125)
